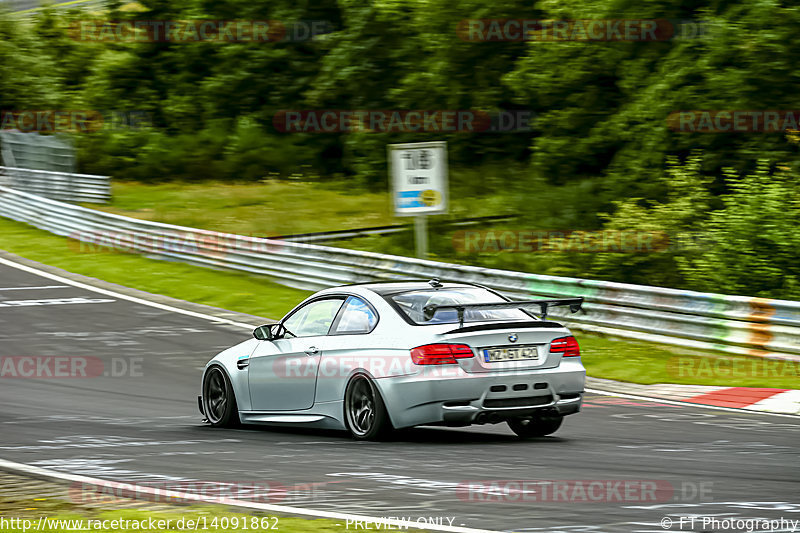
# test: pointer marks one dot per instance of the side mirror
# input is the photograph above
(263, 333)
(269, 332)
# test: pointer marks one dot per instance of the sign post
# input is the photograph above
(421, 235)
(419, 185)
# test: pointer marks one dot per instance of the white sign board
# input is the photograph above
(419, 178)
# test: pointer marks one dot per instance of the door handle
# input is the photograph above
(312, 351)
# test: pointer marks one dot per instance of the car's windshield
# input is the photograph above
(413, 303)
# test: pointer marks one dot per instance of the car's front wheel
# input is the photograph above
(530, 427)
(219, 400)
(364, 411)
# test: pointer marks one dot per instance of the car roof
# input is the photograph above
(385, 288)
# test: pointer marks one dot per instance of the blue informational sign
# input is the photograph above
(409, 199)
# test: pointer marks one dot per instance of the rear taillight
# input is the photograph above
(440, 354)
(566, 345)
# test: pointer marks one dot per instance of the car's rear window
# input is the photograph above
(413, 303)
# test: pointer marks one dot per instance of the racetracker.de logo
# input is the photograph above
(733, 121)
(381, 121)
(177, 31)
(569, 490)
(72, 121)
(189, 31)
(68, 367)
(499, 30)
(110, 492)
(403, 121)
(604, 241)
(209, 244)
(706, 367)
(342, 367)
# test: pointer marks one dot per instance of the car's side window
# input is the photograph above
(314, 318)
(357, 317)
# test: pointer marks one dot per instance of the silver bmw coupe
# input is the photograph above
(374, 357)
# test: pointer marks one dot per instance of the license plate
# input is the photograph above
(511, 353)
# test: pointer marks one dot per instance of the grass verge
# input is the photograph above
(269, 208)
(637, 362)
(648, 363)
(229, 290)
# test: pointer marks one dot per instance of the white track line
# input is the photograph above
(121, 296)
(34, 288)
(689, 404)
(161, 494)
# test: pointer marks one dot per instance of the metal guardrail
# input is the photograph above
(29, 7)
(63, 186)
(326, 236)
(40, 152)
(735, 324)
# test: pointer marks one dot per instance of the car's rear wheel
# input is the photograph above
(218, 399)
(535, 426)
(364, 411)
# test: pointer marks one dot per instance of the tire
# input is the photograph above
(219, 401)
(531, 427)
(365, 413)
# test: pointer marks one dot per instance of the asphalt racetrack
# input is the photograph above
(137, 420)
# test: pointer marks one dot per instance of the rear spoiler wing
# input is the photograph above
(541, 305)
